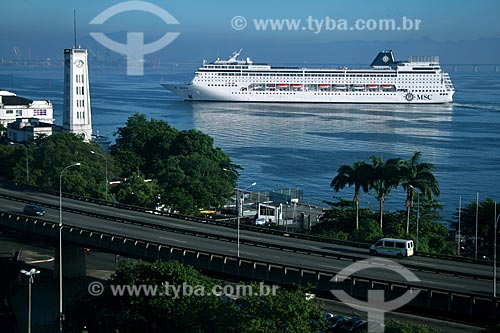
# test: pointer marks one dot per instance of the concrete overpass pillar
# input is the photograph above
(74, 261)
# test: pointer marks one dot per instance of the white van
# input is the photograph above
(393, 247)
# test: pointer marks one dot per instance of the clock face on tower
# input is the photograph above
(79, 63)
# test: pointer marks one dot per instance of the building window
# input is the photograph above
(39, 112)
(19, 113)
(9, 112)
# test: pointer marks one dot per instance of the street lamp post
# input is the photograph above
(459, 231)
(31, 273)
(106, 161)
(27, 163)
(418, 214)
(61, 314)
(240, 204)
(495, 260)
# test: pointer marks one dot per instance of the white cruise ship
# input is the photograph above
(419, 80)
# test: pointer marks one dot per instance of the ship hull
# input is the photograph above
(197, 92)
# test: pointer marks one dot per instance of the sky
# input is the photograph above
(208, 29)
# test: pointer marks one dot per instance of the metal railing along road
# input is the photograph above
(289, 248)
(226, 222)
(472, 304)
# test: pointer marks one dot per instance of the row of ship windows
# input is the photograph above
(321, 93)
(421, 90)
(431, 90)
(339, 82)
(212, 75)
(298, 75)
(335, 82)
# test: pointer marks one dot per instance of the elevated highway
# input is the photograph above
(447, 285)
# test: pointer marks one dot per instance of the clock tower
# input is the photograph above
(77, 116)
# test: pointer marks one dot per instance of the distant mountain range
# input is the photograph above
(481, 51)
(192, 49)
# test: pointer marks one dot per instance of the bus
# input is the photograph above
(393, 247)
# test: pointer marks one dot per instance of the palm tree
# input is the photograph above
(385, 176)
(358, 175)
(417, 176)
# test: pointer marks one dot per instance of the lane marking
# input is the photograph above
(172, 239)
(181, 226)
(327, 266)
(250, 237)
(444, 284)
(244, 252)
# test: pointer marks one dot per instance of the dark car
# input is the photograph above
(334, 323)
(33, 210)
(353, 325)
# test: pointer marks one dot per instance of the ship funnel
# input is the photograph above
(384, 58)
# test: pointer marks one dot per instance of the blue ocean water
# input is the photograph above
(290, 145)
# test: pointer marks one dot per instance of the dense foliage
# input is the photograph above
(287, 311)
(485, 227)
(191, 173)
(157, 164)
(138, 191)
(382, 176)
(283, 311)
(49, 155)
(397, 327)
(339, 222)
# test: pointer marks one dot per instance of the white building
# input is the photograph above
(76, 108)
(13, 107)
(270, 213)
(27, 129)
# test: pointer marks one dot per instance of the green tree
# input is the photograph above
(142, 144)
(385, 177)
(485, 226)
(368, 232)
(10, 156)
(337, 223)
(138, 191)
(51, 154)
(397, 327)
(287, 311)
(417, 175)
(191, 172)
(3, 135)
(359, 175)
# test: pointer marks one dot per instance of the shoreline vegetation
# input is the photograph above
(181, 171)
(161, 167)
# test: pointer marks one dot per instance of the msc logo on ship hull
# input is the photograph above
(422, 97)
